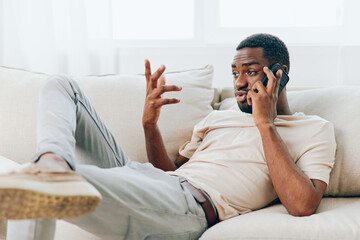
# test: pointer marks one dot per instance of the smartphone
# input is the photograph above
(284, 78)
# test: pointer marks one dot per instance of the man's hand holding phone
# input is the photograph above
(264, 98)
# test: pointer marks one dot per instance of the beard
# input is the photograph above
(245, 107)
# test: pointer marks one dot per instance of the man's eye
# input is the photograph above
(235, 74)
(250, 73)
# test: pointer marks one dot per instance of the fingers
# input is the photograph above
(161, 81)
(164, 88)
(248, 97)
(154, 78)
(273, 82)
(255, 92)
(279, 74)
(258, 88)
(165, 101)
(147, 71)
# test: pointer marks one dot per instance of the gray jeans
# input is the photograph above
(139, 200)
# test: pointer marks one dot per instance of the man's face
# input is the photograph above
(247, 68)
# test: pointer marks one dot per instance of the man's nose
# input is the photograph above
(241, 82)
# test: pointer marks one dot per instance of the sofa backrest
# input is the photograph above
(119, 99)
(339, 105)
(18, 109)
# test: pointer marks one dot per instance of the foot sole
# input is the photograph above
(27, 204)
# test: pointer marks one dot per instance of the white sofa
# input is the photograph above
(119, 100)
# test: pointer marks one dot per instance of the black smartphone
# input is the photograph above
(284, 78)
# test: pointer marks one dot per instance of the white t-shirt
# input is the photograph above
(227, 161)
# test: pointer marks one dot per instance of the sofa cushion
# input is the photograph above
(18, 107)
(338, 105)
(119, 99)
(336, 218)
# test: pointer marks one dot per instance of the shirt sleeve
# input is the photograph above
(199, 131)
(318, 158)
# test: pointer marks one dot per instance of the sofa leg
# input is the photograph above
(3, 229)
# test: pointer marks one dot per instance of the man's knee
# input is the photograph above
(59, 82)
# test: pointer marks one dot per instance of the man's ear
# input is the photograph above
(285, 68)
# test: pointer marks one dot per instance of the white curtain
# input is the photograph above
(51, 36)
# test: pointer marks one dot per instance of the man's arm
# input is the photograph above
(300, 195)
(155, 87)
(180, 161)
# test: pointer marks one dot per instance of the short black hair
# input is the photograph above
(275, 50)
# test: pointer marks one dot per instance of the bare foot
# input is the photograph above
(52, 162)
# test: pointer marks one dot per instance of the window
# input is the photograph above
(140, 19)
(222, 22)
(296, 22)
(280, 13)
(156, 19)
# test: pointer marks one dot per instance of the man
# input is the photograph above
(234, 163)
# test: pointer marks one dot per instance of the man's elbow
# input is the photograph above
(301, 213)
(303, 210)
(307, 203)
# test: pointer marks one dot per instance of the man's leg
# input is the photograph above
(67, 119)
(48, 189)
(139, 201)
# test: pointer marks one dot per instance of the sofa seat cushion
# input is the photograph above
(336, 218)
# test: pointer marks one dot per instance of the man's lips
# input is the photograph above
(241, 95)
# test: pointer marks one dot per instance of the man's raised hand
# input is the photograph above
(155, 87)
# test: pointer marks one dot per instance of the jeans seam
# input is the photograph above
(102, 133)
